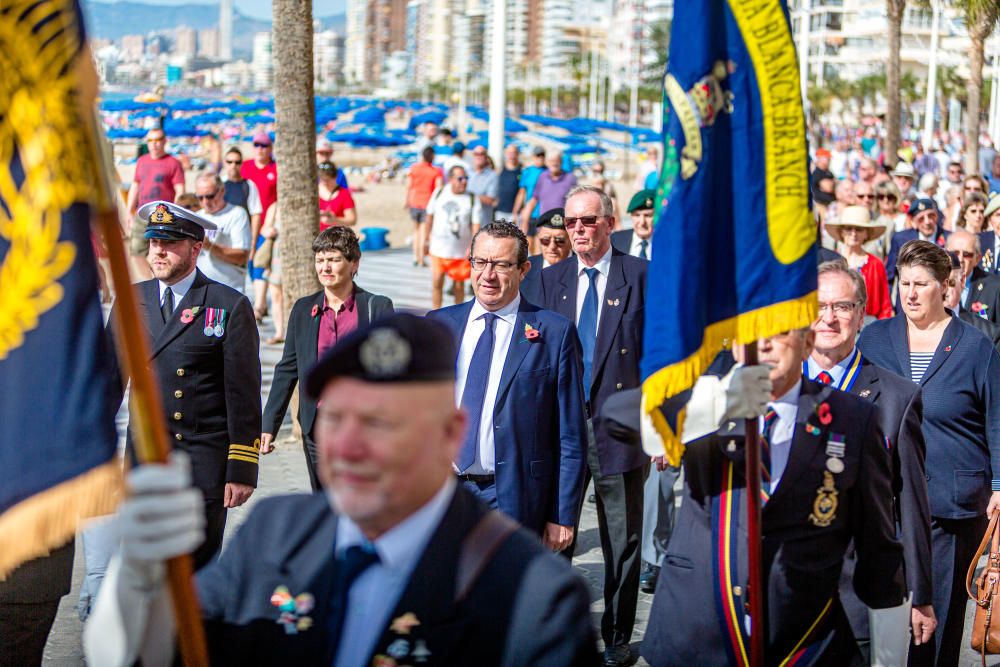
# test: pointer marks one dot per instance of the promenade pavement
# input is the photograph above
(283, 471)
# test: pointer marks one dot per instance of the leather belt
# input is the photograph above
(478, 479)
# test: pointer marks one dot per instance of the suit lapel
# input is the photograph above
(615, 302)
(361, 301)
(565, 298)
(149, 292)
(900, 343)
(517, 350)
(312, 337)
(174, 326)
(805, 445)
(867, 386)
(952, 334)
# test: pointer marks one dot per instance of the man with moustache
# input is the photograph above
(518, 379)
(603, 291)
(556, 246)
(396, 563)
(205, 352)
(836, 361)
(638, 241)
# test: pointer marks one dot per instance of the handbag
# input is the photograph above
(986, 626)
(262, 258)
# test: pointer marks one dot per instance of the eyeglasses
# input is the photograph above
(461, 178)
(558, 240)
(498, 266)
(965, 254)
(849, 230)
(256, 145)
(207, 197)
(586, 221)
(840, 308)
(886, 197)
(234, 161)
(865, 196)
(974, 188)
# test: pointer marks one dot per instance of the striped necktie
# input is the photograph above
(824, 378)
(770, 417)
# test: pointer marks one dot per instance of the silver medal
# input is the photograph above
(219, 330)
(209, 331)
(835, 465)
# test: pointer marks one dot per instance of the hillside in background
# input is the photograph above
(114, 20)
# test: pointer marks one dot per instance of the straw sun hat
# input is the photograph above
(854, 216)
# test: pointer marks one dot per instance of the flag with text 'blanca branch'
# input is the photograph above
(734, 254)
(57, 455)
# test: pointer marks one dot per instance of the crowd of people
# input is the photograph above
(879, 425)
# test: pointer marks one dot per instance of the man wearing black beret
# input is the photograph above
(556, 247)
(395, 564)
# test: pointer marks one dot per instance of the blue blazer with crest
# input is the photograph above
(540, 428)
(961, 392)
(619, 343)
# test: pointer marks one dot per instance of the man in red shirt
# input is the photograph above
(158, 176)
(424, 179)
(262, 171)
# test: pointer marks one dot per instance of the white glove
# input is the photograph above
(890, 633)
(742, 394)
(747, 392)
(163, 517)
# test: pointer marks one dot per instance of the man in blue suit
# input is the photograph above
(519, 380)
(927, 227)
(603, 291)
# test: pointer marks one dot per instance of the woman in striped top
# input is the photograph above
(958, 371)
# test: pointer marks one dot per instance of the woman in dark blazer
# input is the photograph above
(316, 323)
(958, 371)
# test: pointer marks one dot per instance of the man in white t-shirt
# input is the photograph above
(225, 252)
(453, 215)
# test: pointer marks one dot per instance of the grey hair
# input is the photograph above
(210, 176)
(607, 206)
(840, 267)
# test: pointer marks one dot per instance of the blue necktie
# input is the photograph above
(642, 249)
(587, 327)
(770, 417)
(355, 560)
(474, 394)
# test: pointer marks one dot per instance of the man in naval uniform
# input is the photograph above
(205, 350)
(396, 564)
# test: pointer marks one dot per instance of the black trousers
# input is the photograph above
(619, 523)
(953, 545)
(215, 528)
(309, 447)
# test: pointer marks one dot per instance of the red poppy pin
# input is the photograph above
(940, 240)
(824, 414)
(187, 315)
(315, 310)
(531, 333)
(979, 308)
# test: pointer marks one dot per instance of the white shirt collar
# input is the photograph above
(837, 372)
(603, 265)
(789, 398)
(508, 313)
(401, 546)
(180, 289)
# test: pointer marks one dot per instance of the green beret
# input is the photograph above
(642, 199)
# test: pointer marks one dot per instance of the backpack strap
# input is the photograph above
(478, 548)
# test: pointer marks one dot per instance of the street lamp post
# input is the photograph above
(498, 81)
(931, 77)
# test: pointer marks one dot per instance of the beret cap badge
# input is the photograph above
(385, 353)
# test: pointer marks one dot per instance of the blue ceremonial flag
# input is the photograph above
(734, 254)
(57, 455)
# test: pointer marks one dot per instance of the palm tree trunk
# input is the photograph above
(977, 38)
(894, 10)
(295, 144)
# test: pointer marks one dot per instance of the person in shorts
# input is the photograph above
(453, 216)
(158, 177)
(424, 179)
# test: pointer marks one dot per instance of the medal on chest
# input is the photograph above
(215, 322)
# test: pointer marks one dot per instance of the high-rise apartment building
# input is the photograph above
(328, 60)
(226, 29)
(263, 63)
(133, 48)
(356, 40)
(208, 43)
(385, 33)
(185, 42)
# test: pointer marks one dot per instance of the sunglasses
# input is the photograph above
(866, 196)
(234, 161)
(887, 197)
(461, 178)
(207, 197)
(558, 240)
(256, 145)
(586, 221)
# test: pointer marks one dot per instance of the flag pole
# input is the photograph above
(755, 579)
(146, 412)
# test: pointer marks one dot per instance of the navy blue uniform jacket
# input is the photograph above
(961, 392)
(539, 424)
(699, 615)
(299, 355)
(618, 348)
(527, 607)
(531, 284)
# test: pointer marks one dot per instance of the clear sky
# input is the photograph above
(257, 8)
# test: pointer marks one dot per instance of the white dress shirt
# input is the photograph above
(603, 267)
(180, 289)
(503, 334)
(787, 407)
(636, 246)
(837, 372)
(375, 592)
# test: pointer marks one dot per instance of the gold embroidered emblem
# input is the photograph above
(161, 215)
(824, 509)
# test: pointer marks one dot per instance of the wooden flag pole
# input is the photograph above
(755, 579)
(146, 421)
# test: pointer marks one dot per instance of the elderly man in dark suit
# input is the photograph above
(926, 227)
(206, 354)
(395, 564)
(556, 247)
(638, 241)
(519, 380)
(953, 302)
(603, 292)
(316, 323)
(836, 361)
(989, 238)
(828, 483)
(979, 290)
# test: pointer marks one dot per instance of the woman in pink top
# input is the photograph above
(335, 199)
